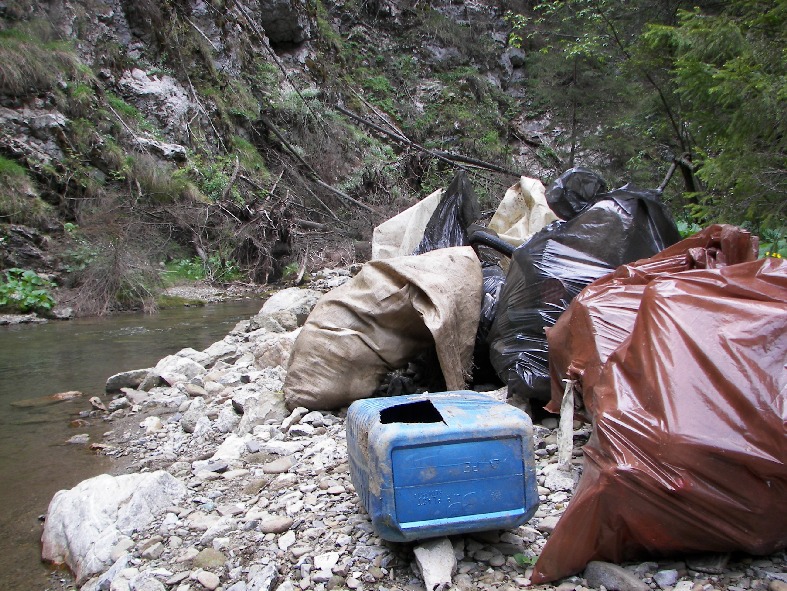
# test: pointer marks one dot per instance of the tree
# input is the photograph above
(729, 71)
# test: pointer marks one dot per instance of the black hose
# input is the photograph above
(480, 238)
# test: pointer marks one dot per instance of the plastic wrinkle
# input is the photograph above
(687, 389)
(547, 272)
(458, 208)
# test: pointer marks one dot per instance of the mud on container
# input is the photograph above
(439, 464)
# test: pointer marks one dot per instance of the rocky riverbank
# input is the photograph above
(228, 490)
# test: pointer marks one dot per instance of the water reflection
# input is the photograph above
(41, 360)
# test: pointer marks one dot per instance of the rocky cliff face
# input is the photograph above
(160, 130)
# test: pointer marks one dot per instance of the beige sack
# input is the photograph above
(401, 235)
(522, 212)
(385, 316)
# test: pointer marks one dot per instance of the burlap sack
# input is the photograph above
(385, 316)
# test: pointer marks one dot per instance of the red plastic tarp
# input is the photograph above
(689, 409)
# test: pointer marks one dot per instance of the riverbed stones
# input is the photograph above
(290, 508)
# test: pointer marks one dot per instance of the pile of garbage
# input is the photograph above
(673, 349)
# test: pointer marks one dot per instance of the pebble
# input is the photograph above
(208, 579)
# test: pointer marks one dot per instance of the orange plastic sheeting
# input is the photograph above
(688, 449)
(601, 317)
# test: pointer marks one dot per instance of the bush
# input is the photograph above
(26, 291)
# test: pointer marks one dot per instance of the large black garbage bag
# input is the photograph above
(574, 191)
(549, 270)
(448, 225)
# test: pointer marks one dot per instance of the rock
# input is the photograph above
(296, 300)
(118, 403)
(221, 527)
(96, 403)
(275, 525)
(195, 390)
(278, 466)
(613, 577)
(274, 350)
(436, 562)
(547, 524)
(173, 152)
(270, 406)
(174, 369)
(227, 420)
(208, 579)
(777, 585)
(232, 448)
(286, 540)
(80, 439)
(85, 522)
(209, 558)
(152, 425)
(197, 410)
(666, 578)
(262, 578)
(126, 379)
(713, 564)
(326, 561)
(556, 478)
(47, 400)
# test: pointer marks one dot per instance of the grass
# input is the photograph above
(30, 64)
(19, 200)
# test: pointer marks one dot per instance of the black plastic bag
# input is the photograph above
(574, 191)
(549, 270)
(448, 225)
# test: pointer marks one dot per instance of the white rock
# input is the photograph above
(174, 369)
(286, 540)
(152, 425)
(326, 561)
(84, 523)
(263, 578)
(437, 563)
(232, 448)
(294, 299)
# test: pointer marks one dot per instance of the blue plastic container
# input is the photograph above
(439, 464)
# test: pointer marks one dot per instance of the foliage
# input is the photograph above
(729, 72)
(524, 560)
(26, 291)
(19, 201)
(184, 269)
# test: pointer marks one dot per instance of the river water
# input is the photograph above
(39, 360)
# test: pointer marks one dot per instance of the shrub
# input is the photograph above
(26, 291)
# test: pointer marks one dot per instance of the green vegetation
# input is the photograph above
(19, 200)
(31, 63)
(26, 291)
(184, 270)
(642, 82)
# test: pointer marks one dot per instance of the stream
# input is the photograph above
(39, 360)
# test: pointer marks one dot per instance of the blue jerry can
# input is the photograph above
(429, 465)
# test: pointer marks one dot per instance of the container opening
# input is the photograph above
(422, 411)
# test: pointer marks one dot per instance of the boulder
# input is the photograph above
(85, 522)
(295, 300)
(270, 405)
(274, 350)
(126, 379)
(174, 369)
